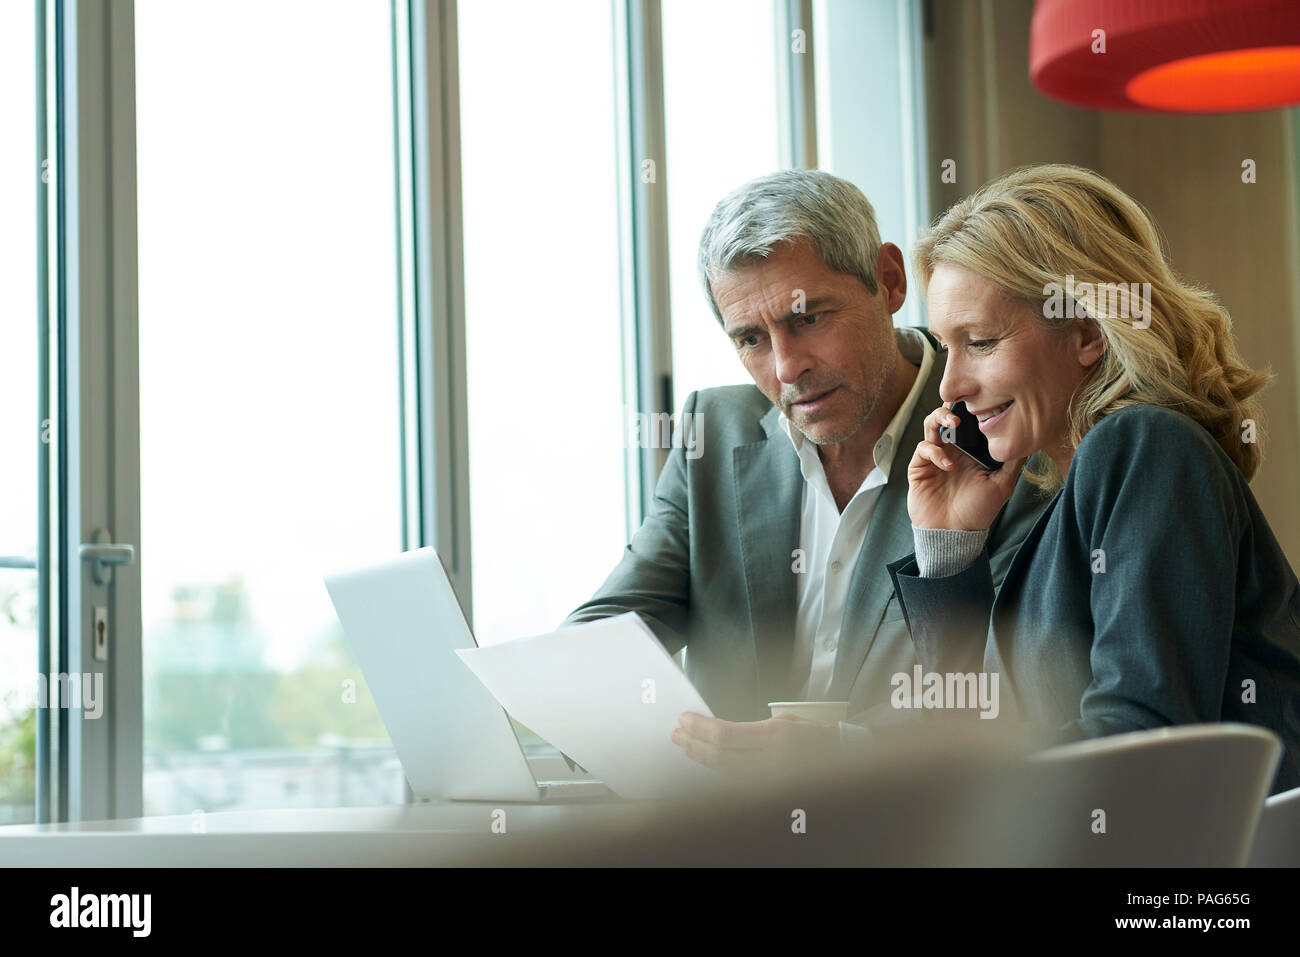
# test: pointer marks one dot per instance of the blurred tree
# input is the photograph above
(260, 707)
(18, 722)
(17, 760)
(328, 696)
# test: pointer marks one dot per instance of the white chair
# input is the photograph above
(1186, 796)
(1277, 839)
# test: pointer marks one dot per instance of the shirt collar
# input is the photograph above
(917, 350)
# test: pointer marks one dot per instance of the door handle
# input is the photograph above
(103, 554)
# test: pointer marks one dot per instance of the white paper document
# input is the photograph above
(607, 694)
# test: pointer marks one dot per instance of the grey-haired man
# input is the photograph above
(765, 556)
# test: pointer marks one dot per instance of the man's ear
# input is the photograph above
(891, 276)
(1092, 342)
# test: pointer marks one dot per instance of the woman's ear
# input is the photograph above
(1092, 342)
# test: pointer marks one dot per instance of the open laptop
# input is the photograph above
(455, 742)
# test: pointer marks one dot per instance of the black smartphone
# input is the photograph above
(968, 438)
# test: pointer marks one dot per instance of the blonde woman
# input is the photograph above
(1150, 590)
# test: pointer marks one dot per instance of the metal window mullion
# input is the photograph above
(915, 146)
(628, 351)
(407, 377)
(48, 751)
(796, 86)
(99, 427)
(126, 706)
(639, 42)
(439, 293)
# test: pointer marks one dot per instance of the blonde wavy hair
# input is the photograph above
(1039, 224)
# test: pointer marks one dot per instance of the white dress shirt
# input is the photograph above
(831, 540)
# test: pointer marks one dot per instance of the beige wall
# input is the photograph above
(1242, 241)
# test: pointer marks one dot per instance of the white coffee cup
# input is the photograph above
(812, 710)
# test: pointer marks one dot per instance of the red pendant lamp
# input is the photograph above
(1167, 56)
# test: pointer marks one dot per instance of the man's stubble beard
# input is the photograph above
(842, 436)
(882, 378)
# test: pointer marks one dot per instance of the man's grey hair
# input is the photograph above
(749, 223)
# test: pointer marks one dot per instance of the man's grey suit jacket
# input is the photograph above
(711, 568)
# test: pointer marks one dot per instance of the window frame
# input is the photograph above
(90, 472)
(92, 769)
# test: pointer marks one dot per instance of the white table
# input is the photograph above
(410, 835)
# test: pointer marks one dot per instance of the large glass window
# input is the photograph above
(19, 429)
(542, 322)
(269, 400)
(271, 432)
(721, 128)
(874, 45)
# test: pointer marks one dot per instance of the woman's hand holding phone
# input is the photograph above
(947, 489)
